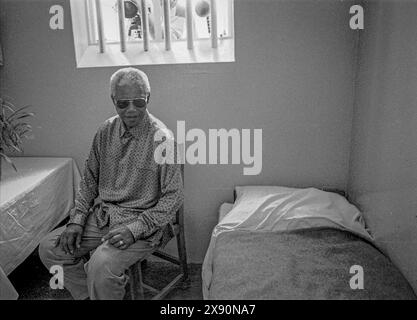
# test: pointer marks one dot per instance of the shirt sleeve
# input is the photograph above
(163, 213)
(88, 188)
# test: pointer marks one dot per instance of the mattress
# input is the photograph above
(302, 264)
(286, 243)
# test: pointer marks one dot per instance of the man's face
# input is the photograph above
(131, 102)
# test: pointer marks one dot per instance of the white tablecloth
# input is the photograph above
(32, 202)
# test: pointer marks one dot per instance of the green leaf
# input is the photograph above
(15, 147)
(8, 160)
(22, 125)
(5, 106)
(25, 115)
(15, 113)
(13, 130)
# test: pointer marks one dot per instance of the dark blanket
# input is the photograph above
(302, 264)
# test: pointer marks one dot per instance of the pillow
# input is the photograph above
(275, 208)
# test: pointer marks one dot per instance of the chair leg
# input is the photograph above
(136, 284)
(144, 264)
(182, 254)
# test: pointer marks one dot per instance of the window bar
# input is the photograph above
(213, 13)
(231, 24)
(157, 20)
(189, 18)
(90, 21)
(167, 25)
(145, 26)
(121, 12)
(101, 41)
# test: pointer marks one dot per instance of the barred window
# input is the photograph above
(117, 33)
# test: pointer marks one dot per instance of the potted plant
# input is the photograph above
(14, 129)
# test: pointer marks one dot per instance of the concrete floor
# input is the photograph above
(31, 280)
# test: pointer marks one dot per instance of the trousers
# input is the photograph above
(102, 277)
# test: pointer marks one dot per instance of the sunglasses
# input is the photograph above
(138, 103)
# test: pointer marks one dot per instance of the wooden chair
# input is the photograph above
(135, 271)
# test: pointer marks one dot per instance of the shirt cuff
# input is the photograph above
(137, 229)
(78, 218)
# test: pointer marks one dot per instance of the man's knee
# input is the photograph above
(103, 265)
(105, 275)
(47, 250)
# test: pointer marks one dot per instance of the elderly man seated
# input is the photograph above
(138, 198)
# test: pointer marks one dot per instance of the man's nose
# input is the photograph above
(131, 106)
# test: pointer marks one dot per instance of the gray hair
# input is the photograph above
(130, 76)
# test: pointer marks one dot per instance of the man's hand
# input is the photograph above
(121, 238)
(70, 238)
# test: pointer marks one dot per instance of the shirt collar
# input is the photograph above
(135, 132)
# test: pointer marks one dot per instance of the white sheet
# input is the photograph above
(32, 202)
(7, 292)
(224, 209)
(276, 209)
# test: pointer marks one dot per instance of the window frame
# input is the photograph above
(84, 27)
(91, 26)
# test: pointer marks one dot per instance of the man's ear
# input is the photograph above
(149, 96)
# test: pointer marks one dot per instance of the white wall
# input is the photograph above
(383, 173)
(293, 77)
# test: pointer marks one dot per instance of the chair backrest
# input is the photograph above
(179, 216)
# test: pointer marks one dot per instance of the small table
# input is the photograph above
(33, 201)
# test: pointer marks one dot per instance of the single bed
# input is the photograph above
(288, 243)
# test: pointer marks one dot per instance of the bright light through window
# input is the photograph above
(98, 41)
(201, 18)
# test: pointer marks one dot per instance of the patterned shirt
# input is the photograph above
(134, 190)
